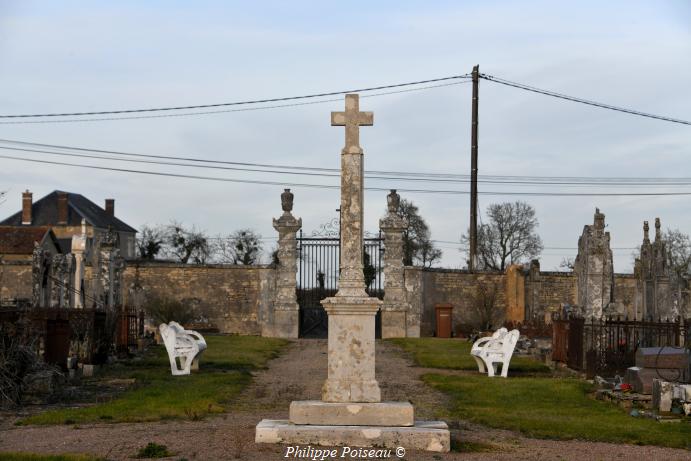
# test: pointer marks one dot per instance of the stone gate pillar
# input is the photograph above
(395, 309)
(286, 313)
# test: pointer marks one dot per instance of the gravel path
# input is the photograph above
(298, 374)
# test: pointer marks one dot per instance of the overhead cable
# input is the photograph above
(235, 103)
(581, 100)
(328, 186)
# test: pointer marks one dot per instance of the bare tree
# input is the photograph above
(678, 247)
(151, 241)
(509, 237)
(187, 244)
(485, 313)
(243, 246)
(567, 263)
(679, 250)
(417, 243)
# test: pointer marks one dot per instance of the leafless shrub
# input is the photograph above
(486, 315)
(20, 365)
(163, 309)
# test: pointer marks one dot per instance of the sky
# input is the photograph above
(92, 56)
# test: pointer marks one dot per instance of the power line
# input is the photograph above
(236, 103)
(581, 100)
(372, 174)
(211, 112)
(544, 248)
(327, 186)
(337, 175)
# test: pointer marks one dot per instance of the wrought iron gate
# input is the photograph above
(318, 270)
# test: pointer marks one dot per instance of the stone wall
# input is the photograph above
(234, 299)
(240, 299)
(429, 287)
(545, 292)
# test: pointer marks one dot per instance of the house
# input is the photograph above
(63, 212)
(17, 243)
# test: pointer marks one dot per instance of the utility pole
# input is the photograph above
(473, 172)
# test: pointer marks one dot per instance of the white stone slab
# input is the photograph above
(424, 435)
(318, 413)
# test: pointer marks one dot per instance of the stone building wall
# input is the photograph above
(15, 279)
(234, 299)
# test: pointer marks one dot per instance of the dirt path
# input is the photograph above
(298, 375)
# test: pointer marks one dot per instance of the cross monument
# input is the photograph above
(351, 412)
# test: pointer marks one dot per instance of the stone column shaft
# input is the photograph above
(351, 280)
(395, 308)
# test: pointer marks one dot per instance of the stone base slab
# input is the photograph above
(318, 413)
(424, 435)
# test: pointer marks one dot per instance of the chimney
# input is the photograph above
(27, 201)
(110, 207)
(62, 208)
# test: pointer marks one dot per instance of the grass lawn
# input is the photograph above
(553, 408)
(454, 354)
(35, 457)
(224, 371)
(533, 402)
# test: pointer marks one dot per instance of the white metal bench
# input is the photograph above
(185, 345)
(493, 350)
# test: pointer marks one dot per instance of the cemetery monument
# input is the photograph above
(351, 411)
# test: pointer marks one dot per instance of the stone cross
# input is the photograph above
(352, 119)
(351, 412)
(351, 280)
(351, 311)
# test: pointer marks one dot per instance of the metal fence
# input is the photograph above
(318, 273)
(61, 332)
(608, 346)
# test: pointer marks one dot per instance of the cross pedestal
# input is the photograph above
(351, 412)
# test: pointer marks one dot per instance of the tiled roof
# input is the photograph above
(44, 212)
(20, 240)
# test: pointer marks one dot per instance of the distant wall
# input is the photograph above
(238, 299)
(545, 292)
(234, 299)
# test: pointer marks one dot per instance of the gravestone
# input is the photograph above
(653, 273)
(593, 268)
(350, 412)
